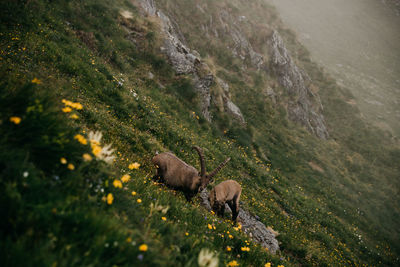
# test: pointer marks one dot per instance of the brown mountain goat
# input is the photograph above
(178, 174)
(226, 192)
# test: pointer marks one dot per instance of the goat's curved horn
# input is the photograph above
(216, 170)
(202, 164)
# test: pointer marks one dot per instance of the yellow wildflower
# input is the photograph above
(129, 240)
(77, 105)
(133, 193)
(186, 234)
(209, 226)
(117, 183)
(143, 247)
(15, 120)
(281, 266)
(228, 248)
(163, 218)
(134, 166)
(74, 116)
(80, 139)
(96, 149)
(63, 161)
(139, 200)
(66, 102)
(67, 109)
(36, 81)
(71, 166)
(233, 264)
(110, 199)
(87, 157)
(268, 264)
(125, 178)
(230, 236)
(94, 142)
(72, 104)
(245, 248)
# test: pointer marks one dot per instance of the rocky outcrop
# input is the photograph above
(180, 56)
(182, 59)
(257, 231)
(203, 85)
(269, 92)
(187, 61)
(304, 106)
(149, 7)
(242, 48)
(229, 106)
(250, 225)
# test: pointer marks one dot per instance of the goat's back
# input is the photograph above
(175, 171)
(228, 189)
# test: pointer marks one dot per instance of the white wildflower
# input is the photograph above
(207, 258)
(104, 153)
(95, 137)
(160, 208)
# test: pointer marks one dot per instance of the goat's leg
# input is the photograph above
(189, 195)
(221, 209)
(157, 176)
(235, 208)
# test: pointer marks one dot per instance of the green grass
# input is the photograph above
(57, 217)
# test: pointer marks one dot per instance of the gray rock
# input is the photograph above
(234, 111)
(229, 106)
(195, 53)
(178, 54)
(223, 85)
(257, 231)
(304, 107)
(187, 61)
(148, 6)
(202, 86)
(251, 225)
(242, 47)
(271, 94)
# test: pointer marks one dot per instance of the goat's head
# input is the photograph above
(207, 178)
(212, 198)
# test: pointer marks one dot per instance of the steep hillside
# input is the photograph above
(357, 42)
(164, 76)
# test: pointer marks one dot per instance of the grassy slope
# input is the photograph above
(360, 178)
(56, 216)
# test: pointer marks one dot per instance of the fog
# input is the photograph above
(357, 42)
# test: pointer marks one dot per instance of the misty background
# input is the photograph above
(358, 43)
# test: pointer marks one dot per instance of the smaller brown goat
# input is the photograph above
(178, 174)
(226, 192)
